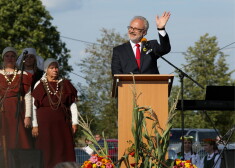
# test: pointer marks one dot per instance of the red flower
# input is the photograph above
(88, 166)
(132, 154)
(133, 164)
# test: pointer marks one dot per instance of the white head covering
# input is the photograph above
(48, 62)
(7, 49)
(32, 51)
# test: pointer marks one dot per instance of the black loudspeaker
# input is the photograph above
(25, 158)
(228, 159)
(1, 158)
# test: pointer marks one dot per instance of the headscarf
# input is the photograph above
(48, 62)
(7, 49)
(32, 51)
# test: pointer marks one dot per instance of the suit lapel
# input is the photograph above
(130, 53)
(142, 57)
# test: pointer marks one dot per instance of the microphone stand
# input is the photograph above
(182, 75)
(20, 98)
(213, 125)
(230, 132)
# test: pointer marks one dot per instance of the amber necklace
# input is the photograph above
(6, 74)
(54, 105)
(49, 90)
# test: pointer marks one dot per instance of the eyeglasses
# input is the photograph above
(134, 29)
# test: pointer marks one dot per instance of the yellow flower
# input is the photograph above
(100, 162)
(104, 160)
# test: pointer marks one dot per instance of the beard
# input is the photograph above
(134, 37)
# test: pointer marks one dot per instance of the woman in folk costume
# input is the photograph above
(188, 151)
(55, 116)
(10, 78)
(33, 64)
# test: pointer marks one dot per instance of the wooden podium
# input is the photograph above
(154, 90)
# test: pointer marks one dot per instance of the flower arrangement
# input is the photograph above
(183, 164)
(96, 161)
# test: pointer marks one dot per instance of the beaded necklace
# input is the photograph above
(54, 105)
(49, 90)
(6, 74)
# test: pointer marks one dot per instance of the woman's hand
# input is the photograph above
(27, 122)
(35, 131)
(74, 128)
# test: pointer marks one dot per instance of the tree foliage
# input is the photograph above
(96, 100)
(206, 65)
(27, 24)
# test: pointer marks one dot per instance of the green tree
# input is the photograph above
(96, 67)
(28, 24)
(206, 65)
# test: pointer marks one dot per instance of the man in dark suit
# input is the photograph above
(141, 57)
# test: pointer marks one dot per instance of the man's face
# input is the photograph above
(97, 137)
(136, 30)
(88, 141)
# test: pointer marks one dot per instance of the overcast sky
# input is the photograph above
(190, 19)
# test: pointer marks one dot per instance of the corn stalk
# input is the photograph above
(153, 152)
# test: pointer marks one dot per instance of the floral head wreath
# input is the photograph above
(209, 141)
(188, 138)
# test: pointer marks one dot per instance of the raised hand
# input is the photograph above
(162, 20)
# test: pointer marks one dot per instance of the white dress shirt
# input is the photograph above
(88, 150)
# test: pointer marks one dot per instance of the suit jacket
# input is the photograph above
(124, 62)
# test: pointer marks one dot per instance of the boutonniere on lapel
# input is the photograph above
(146, 45)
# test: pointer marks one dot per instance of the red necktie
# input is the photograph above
(137, 57)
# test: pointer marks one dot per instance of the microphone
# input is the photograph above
(25, 52)
(146, 45)
(24, 55)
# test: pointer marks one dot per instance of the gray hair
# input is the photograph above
(146, 23)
